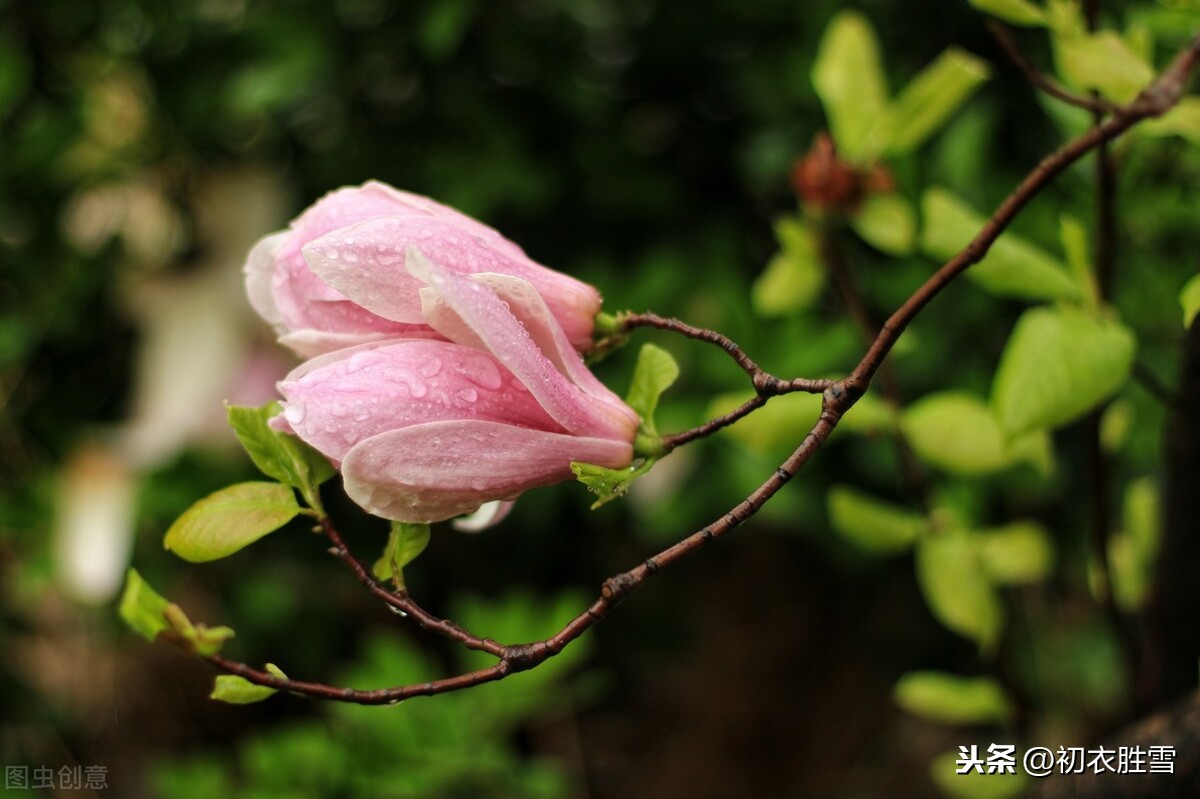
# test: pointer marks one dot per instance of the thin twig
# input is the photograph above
(766, 385)
(837, 398)
(401, 601)
(1038, 80)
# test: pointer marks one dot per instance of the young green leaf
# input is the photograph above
(142, 608)
(1183, 120)
(239, 691)
(286, 458)
(653, 374)
(924, 105)
(1017, 553)
(1189, 300)
(1012, 268)
(951, 699)
(849, 78)
(1102, 61)
(794, 277)
(1018, 12)
(405, 542)
(229, 519)
(1133, 552)
(975, 784)
(957, 587)
(886, 222)
(955, 431)
(608, 484)
(873, 524)
(198, 638)
(1058, 364)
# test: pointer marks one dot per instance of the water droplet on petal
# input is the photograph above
(294, 413)
(468, 394)
(431, 367)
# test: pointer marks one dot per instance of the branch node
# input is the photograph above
(521, 657)
(766, 385)
(616, 588)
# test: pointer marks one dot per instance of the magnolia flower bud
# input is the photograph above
(336, 278)
(426, 429)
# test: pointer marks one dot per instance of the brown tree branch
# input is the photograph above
(837, 397)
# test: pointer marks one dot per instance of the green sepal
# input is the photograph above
(406, 541)
(237, 690)
(608, 484)
(284, 457)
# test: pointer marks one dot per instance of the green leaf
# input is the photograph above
(1058, 364)
(1116, 425)
(926, 103)
(973, 784)
(406, 541)
(608, 484)
(1133, 551)
(887, 223)
(951, 699)
(1075, 247)
(1189, 300)
(1012, 268)
(142, 608)
(229, 519)
(1183, 120)
(1102, 61)
(1018, 12)
(286, 458)
(872, 524)
(794, 277)
(849, 79)
(1020, 552)
(956, 432)
(654, 373)
(957, 587)
(239, 691)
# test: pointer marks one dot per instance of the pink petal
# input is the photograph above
(491, 322)
(365, 262)
(439, 470)
(528, 306)
(260, 269)
(346, 397)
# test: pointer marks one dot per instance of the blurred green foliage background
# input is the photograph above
(642, 145)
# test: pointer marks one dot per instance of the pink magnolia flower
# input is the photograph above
(424, 429)
(336, 278)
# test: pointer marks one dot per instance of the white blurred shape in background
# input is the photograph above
(199, 346)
